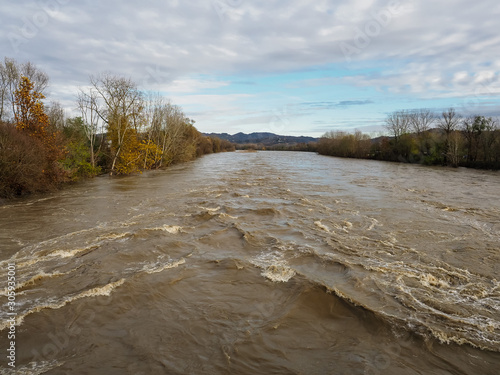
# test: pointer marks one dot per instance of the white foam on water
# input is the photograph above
(172, 229)
(278, 273)
(112, 236)
(222, 214)
(94, 292)
(39, 276)
(58, 239)
(274, 265)
(476, 330)
(101, 290)
(71, 253)
(33, 368)
(158, 267)
(209, 209)
(347, 224)
(373, 224)
(322, 226)
(429, 280)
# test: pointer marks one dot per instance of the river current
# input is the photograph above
(257, 263)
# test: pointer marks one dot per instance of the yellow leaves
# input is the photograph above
(31, 119)
(128, 155)
(30, 113)
(151, 153)
(136, 155)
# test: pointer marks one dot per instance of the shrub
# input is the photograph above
(23, 164)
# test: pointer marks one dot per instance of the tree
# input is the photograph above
(151, 149)
(30, 113)
(78, 159)
(488, 138)
(55, 113)
(121, 110)
(3, 91)
(169, 128)
(473, 129)
(421, 120)
(467, 128)
(88, 104)
(454, 148)
(10, 77)
(160, 126)
(449, 121)
(398, 124)
(30, 118)
(23, 163)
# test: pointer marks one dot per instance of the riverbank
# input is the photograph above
(433, 147)
(472, 141)
(121, 130)
(28, 168)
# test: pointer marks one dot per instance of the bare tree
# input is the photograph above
(449, 121)
(3, 90)
(148, 115)
(398, 124)
(10, 75)
(55, 112)
(88, 104)
(455, 141)
(176, 147)
(467, 128)
(421, 120)
(167, 126)
(122, 104)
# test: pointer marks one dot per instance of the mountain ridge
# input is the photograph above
(264, 138)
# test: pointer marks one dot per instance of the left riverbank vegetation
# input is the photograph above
(120, 130)
(424, 137)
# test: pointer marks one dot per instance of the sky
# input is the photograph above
(291, 67)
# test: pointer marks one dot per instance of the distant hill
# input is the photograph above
(265, 139)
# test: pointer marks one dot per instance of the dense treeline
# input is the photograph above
(422, 137)
(309, 146)
(121, 130)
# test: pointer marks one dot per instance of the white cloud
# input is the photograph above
(421, 49)
(192, 85)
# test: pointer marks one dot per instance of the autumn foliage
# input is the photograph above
(121, 131)
(30, 115)
(30, 118)
(23, 163)
(29, 150)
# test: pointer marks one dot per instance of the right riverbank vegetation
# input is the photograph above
(421, 136)
(120, 130)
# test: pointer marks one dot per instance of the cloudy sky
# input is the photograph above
(290, 67)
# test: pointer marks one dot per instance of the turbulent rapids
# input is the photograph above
(267, 262)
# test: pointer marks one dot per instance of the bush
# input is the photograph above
(76, 163)
(23, 164)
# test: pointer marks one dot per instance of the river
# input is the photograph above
(257, 263)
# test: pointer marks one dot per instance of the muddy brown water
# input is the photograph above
(258, 263)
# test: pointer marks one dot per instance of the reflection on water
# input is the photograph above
(265, 262)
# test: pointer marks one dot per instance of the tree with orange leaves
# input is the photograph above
(29, 110)
(30, 118)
